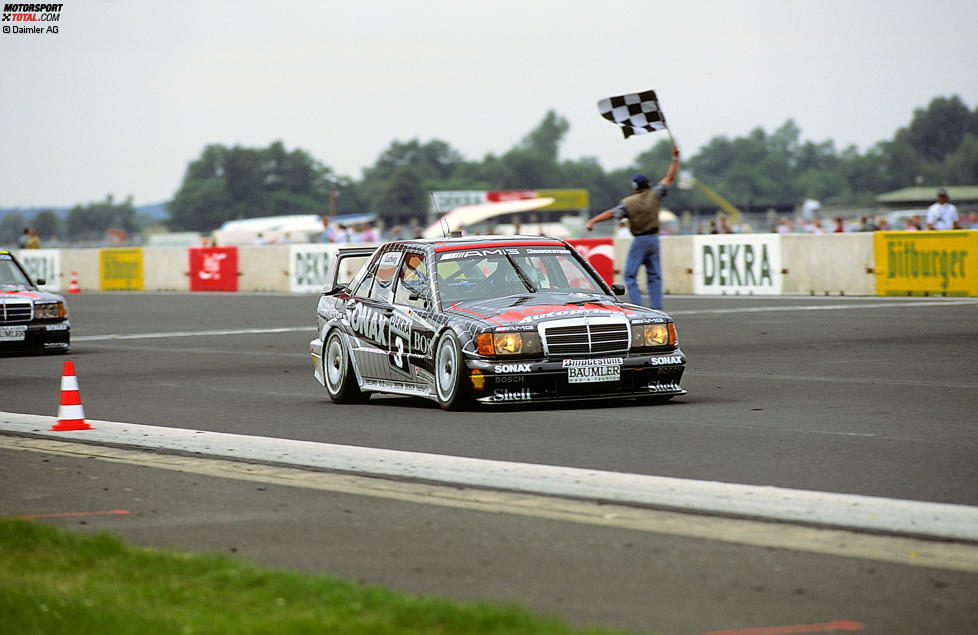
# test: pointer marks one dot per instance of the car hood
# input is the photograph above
(19, 292)
(540, 307)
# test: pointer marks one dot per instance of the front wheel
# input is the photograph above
(449, 373)
(341, 383)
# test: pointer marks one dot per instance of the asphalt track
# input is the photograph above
(858, 396)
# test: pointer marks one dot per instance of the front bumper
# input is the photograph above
(637, 375)
(53, 336)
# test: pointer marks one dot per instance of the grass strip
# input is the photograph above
(58, 581)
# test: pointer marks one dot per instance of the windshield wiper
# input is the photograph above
(523, 277)
(591, 299)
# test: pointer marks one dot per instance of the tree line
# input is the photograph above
(755, 172)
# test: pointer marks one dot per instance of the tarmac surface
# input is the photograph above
(856, 396)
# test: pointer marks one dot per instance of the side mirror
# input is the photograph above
(414, 297)
(40, 282)
(618, 288)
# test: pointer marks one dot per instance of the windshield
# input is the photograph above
(10, 273)
(478, 274)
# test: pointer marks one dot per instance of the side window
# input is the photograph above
(362, 288)
(413, 278)
(347, 269)
(383, 288)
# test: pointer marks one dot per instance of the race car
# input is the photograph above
(488, 320)
(30, 319)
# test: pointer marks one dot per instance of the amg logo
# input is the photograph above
(481, 253)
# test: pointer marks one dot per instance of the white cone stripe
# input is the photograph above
(69, 382)
(71, 412)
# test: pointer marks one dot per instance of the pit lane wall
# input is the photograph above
(879, 263)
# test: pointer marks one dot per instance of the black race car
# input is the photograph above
(490, 320)
(30, 319)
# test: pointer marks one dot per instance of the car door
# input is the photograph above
(369, 312)
(412, 309)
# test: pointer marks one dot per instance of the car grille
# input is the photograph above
(15, 312)
(586, 338)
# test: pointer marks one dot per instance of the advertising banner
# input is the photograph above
(308, 265)
(565, 199)
(926, 263)
(445, 201)
(43, 263)
(600, 252)
(121, 269)
(213, 268)
(737, 264)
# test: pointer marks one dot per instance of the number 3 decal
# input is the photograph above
(399, 355)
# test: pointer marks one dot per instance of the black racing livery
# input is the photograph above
(488, 320)
(30, 319)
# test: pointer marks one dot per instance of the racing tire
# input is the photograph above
(450, 373)
(340, 380)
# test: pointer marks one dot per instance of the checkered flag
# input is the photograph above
(636, 113)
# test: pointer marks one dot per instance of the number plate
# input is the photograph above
(12, 333)
(589, 374)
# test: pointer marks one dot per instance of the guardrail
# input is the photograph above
(941, 263)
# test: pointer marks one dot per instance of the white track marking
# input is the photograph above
(834, 542)
(851, 511)
(152, 336)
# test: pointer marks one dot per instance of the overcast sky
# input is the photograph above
(126, 94)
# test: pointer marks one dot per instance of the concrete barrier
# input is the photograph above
(263, 268)
(828, 264)
(85, 263)
(792, 264)
(165, 269)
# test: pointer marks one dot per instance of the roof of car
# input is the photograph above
(482, 242)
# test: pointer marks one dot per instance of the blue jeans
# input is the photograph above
(644, 250)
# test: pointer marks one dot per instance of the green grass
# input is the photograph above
(57, 581)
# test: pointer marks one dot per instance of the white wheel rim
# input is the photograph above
(447, 369)
(335, 368)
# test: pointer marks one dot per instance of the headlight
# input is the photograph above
(509, 344)
(49, 311)
(654, 335)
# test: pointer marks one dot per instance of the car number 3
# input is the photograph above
(399, 355)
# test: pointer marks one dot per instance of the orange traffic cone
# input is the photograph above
(71, 414)
(73, 285)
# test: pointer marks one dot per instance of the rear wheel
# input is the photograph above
(341, 383)
(449, 373)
